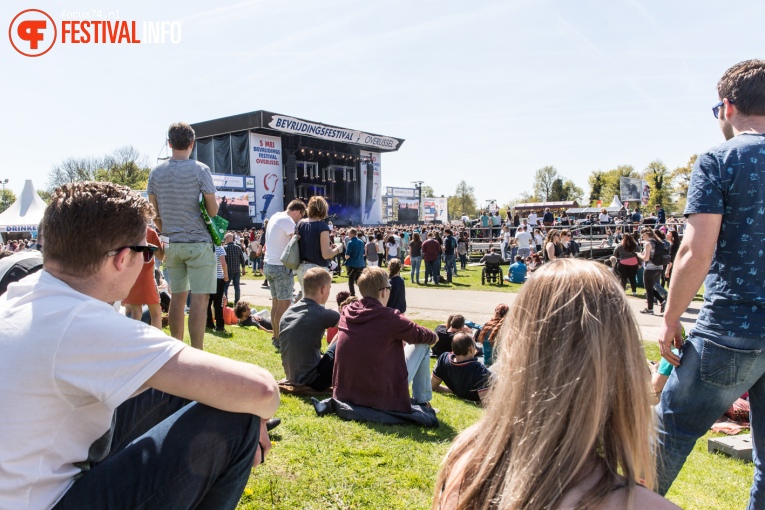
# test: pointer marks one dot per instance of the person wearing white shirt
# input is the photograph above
(102, 411)
(281, 280)
(524, 242)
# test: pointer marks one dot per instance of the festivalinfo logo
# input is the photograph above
(33, 32)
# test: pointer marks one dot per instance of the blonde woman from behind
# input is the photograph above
(568, 423)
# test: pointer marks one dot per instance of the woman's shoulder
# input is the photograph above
(641, 498)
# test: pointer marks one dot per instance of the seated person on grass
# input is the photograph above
(445, 332)
(517, 271)
(98, 411)
(461, 371)
(379, 351)
(301, 331)
(248, 317)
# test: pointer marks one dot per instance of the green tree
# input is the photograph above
(525, 197)
(659, 180)
(427, 192)
(45, 195)
(612, 182)
(596, 182)
(124, 166)
(462, 202)
(544, 178)
(7, 198)
(565, 191)
(681, 177)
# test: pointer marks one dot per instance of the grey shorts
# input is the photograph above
(281, 281)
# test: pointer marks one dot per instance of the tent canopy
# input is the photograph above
(25, 213)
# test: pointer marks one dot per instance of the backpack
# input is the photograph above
(667, 258)
(657, 253)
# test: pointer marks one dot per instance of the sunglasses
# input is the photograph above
(385, 288)
(147, 251)
(716, 108)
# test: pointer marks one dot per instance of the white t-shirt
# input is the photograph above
(280, 228)
(68, 360)
(533, 219)
(523, 239)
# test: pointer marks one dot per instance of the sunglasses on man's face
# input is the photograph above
(147, 251)
(716, 108)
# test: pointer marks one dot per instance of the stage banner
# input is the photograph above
(630, 190)
(266, 168)
(408, 210)
(434, 209)
(371, 190)
(336, 134)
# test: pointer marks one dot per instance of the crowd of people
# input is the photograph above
(98, 409)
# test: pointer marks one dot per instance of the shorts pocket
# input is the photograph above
(726, 366)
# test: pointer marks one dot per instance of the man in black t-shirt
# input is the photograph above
(461, 371)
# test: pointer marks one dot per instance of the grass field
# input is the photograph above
(466, 279)
(323, 463)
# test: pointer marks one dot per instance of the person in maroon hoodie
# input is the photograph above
(373, 366)
(431, 251)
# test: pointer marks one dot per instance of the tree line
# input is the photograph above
(668, 188)
(126, 166)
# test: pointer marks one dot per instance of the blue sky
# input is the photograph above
(486, 91)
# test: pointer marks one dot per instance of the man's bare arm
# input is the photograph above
(691, 266)
(157, 218)
(218, 382)
(435, 384)
(211, 204)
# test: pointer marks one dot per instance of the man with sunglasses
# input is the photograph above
(102, 411)
(722, 247)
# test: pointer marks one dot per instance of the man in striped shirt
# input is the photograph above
(174, 187)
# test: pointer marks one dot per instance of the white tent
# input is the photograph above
(616, 204)
(25, 213)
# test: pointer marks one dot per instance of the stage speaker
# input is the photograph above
(290, 172)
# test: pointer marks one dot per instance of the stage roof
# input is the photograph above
(262, 121)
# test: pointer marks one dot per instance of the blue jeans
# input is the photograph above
(505, 255)
(488, 353)
(418, 371)
(451, 266)
(714, 371)
(415, 273)
(233, 278)
(431, 270)
(168, 454)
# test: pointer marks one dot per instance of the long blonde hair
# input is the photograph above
(570, 399)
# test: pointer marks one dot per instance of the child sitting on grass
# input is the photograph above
(246, 317)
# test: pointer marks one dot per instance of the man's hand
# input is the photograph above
(264, 447)
(671, 335)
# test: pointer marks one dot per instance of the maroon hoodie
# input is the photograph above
(370, 369)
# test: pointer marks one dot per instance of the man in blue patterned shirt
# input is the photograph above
(723, 247)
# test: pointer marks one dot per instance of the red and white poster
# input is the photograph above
(266, 167)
